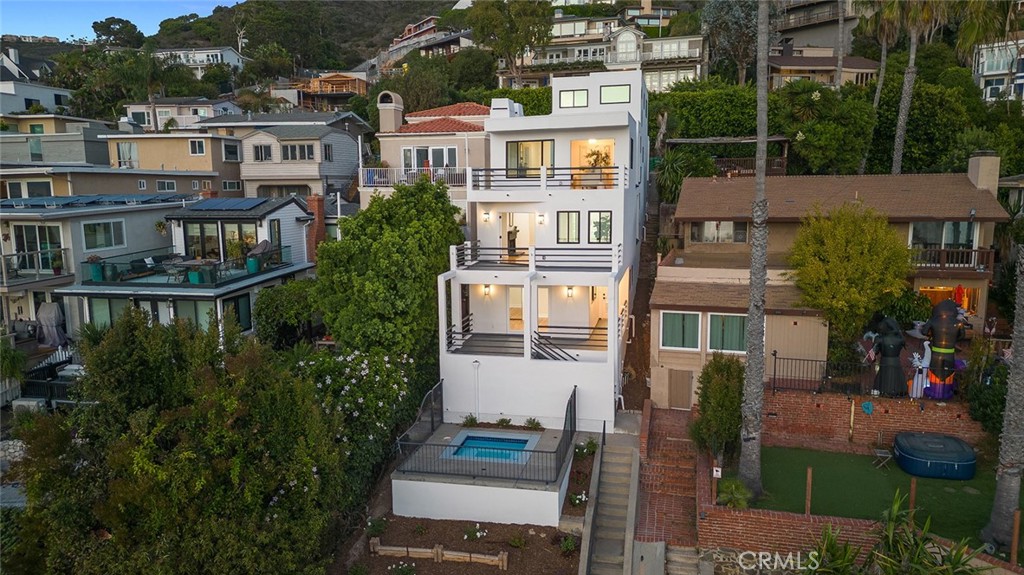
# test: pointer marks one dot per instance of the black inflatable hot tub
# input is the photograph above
(934, 455)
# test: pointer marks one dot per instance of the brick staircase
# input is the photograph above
(668, 505)
(681, 560)
(608, 553)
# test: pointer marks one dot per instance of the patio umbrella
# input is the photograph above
(51, 318)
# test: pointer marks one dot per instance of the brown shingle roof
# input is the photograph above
(819, 62)
(903, 198)
(440, 125)
(674, 295)
(460, 109)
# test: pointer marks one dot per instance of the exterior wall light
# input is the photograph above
(487, 216)
(541, 219)
(487, 290)
(568, 292)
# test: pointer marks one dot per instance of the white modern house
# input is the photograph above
(535, 314)
(997, 69)
(199, 59)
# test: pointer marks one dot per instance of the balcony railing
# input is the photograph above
(744, 167)
(548, 179)
(806, 19)
(954, 259)
(35, 265)
(559, 342)
(471, 255)
(162, 266)
(621, 57)
(389, 177)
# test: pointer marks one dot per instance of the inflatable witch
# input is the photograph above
(889, 380)
(944, 329)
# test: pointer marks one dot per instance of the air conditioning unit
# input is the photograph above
(29, 404)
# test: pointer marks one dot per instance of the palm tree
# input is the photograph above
(882, 27)
(920, 18)
(999, 530)
(753, 381)
(840, 43)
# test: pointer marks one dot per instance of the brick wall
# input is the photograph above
(646, 418)
(822, 421)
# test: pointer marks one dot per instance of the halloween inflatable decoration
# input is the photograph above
(890, 379)
(944, 329)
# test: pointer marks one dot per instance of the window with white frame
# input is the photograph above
(572, 98)
(680, 330)
(328, 153)
(207, 184)
(615, 94)
(142, 184)
(231, 185)
(297, 152)
(429, 157)
(127, 155)
(29, 189)
(232, 152)
(197, 147)
(103, 235)
(166, 186)
(718, 232)
(568, 227)
(943, 235)
(262, 153)
(195, 185)
(727, 332)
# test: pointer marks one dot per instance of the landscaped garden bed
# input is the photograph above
(532, 550)
(578, 493)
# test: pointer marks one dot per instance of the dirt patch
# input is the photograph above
(579, 482)
(539, 553)
(638, 352)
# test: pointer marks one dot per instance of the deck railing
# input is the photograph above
(744, 167)
(955, 259)
(34, 265)
(389, 177)
(821, 375)
(544, 179)
(470, 254)
(162, 265)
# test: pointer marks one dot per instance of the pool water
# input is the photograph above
(501, 448)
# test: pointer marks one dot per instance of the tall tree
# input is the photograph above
(880, 25)
(840, 42)
(116, 31)
(511, 29)
(999, 530)
(984, 21)
(753, 379)
(919, 18)
(732, 31)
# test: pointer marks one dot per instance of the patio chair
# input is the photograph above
(175, 273)
(882, 458)
(13, 265)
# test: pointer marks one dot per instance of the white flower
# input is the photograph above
(816, 96)
(800, 136)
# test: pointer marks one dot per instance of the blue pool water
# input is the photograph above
(500, 448)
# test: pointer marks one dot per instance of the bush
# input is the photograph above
(578, 499)
(533, 424)
(987, 399)
(470, 421)
(402, 568)
(376, 527)
(720, 396)
(908, 306)
(474, 532)
(568, 545)
(517, 541)
(733, 494)
(586, 449)
(504, 422)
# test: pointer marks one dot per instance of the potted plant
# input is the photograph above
(235, 252)
(161, 227)
(95, 268)
(57, 263)
(598, 160)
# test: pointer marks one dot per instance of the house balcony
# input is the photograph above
(587, 343)
(801, 19)
(537, 184)
(162, 267)
(954, 263)
(181, 120)
(35, 269)
(744, 167)
(390, 177)
(471, 256)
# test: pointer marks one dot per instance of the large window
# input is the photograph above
(202, 240)
(241, 308)
(127, 155)
(103, 235)
(429, 157)
(680, 330)
(727, 333)
(103, 311)
(239, 238)
(297, 152)
(197, 147)
(30, 189)
(198, 312)
(600, 227)
(947, 235)
(262, 153)
(166, 186)
(615, 94)
(568, 227)
(625, 51)
(35, 149)
(141, 118)
(231, 185)
(232, 152)
(572, 98)
(524, 159)
(32, 238)
(718, 232)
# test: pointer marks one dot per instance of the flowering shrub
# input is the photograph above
(473, 533)
(402, 568)
(577, 499)
(376, 527)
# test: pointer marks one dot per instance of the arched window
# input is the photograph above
(626, 48)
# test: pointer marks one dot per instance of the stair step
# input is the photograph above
(605, 568)
(610, 534)
(612, 509)
(676, 569)
(617, 499)
(618, 449)
(614, 479)
(611, 522)
(683, 556)
(616, 469)
(608, 550)
(617, 488)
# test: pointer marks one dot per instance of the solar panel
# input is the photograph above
(211, 204)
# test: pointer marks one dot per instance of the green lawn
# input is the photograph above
(850, 486)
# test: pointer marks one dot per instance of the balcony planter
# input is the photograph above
(95, 271)
(195, 277)
(252, 265)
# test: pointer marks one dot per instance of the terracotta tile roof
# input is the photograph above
(440, 125)
(460, 109)
(819, 62)
(677, 295)
(904, 198)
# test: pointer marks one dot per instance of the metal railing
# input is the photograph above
(543, 348)
(578, 257)
(821, 375)
(389, 177)
(543, 466)
(592, 505)
(532, 258)
(34, 265)
(619, 57)
(471, 253)
(548, 178)
(955, 259)
(740, 167)
(806, 19)
(162, 265)
(429, 417)
(576, 337)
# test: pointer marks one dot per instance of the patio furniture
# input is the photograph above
(14, 264)
(257, 256)
(882, 458)
(175, 273)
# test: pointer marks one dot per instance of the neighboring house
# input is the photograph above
(201, 154)
(326, 90)
(816, 22)
(39, 233)
(702, 290)
(27, 69)
(413, 33)
(178, 112)
(579, 45)
(447, 45)
(51, 138)
(998, 68)
(19, 95)
(440, 143)
(199, 59)
(648, 16)
(298, 160)
(785, 69)
(242, 124)
(33, 180)
(203, 265)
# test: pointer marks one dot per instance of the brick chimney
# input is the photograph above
(389, 105)
(317, 230)
(983, 170)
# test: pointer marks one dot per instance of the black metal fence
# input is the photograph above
(429, 417)
(821, 375)
(492, 461)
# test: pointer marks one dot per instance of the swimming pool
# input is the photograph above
(484, 447)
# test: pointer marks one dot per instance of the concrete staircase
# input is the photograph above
(681, 560)
(607, 555)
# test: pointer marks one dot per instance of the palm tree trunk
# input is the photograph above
(878, 98)
(840, 43)
(999, 530)
(753, 379)
(908, 92)
(741, 74)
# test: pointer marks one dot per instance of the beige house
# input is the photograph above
(213, 161)
(819, 65)
(178, 112)
(59, 180)
(702, 290)
(439, 143)
(298, 160)
(51, 123)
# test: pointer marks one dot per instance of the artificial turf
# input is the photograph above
(850, 486)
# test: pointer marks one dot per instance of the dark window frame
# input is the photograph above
(590, 227)
(558, 227)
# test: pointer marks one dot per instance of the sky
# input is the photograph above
(65, 18)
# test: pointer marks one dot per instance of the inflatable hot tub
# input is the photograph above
(933, 455)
